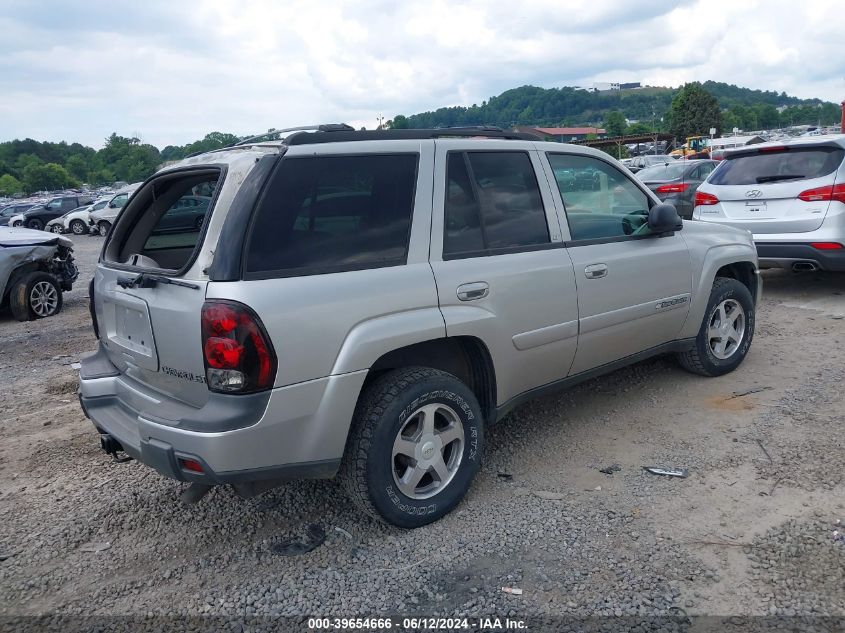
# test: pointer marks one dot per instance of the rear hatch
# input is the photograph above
(148, 295)
(770, 189)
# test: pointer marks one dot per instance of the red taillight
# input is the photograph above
(835, 193)
(190, 464)
(826, 246)
(679, 187)
(703, 199)
(773, 148)
(239, 357)
(223, 353)
(221, 319)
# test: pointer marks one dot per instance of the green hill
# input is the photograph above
(566, 106)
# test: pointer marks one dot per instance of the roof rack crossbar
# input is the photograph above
(323, 127)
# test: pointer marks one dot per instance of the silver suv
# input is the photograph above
(791, 196)
(365, 303)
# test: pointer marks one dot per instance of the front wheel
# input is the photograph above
(78, 227)
(35, 224)
(35, 296)
(414, 448)
(56, 228)
(726, 331)
(103, 228)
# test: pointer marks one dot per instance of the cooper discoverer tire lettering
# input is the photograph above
(414, 448)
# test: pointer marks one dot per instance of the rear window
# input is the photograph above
(789, 164)
(662, 172)
(162, 224)
(492, 202)
(333, 213)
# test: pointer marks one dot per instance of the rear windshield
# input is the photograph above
(333, 213)
(662, 172)
(788, 164)
(165, 220)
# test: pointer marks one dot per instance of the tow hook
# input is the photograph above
(112, 447)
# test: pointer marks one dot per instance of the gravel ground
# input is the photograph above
(748, 533)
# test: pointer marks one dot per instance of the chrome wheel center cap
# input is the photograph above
(427, 450)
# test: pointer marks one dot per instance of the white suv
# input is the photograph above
(791, 196)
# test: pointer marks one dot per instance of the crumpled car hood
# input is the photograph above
(10, 236)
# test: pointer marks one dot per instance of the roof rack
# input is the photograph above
(343, 135)
(325, 127)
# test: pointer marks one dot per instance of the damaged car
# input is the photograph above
(35, 268)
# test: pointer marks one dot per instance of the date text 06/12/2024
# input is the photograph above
(416, 624)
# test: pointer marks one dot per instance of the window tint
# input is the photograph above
(118, 201)
(599, 199)
(334, 213)
(788, 164)
(180, 225)
(492, 202)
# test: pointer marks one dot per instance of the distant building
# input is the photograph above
(561, 134)
(601, 86)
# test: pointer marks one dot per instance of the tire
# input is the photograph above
(18, 223)
(707, 358)
(388, 413)
(56, 228)
(36, 295)
(35, 224)
(78, 227)
(103, 227)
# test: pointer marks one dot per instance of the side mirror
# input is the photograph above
(664, 218)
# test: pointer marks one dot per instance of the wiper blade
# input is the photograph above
(146, 280)
(762, 179)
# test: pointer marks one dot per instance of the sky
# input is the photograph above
(171, 71)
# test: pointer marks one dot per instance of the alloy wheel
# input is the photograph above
(427, 451)
(726, 329)
(44, 298)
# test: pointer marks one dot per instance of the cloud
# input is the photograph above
(170, 72)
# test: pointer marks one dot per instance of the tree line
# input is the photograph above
(27, 166)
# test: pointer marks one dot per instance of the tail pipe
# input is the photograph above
(804, 266)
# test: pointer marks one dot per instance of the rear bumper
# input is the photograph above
(785, 255)
(298, 432)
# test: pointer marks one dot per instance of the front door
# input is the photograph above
(502, 273)
(633, 287)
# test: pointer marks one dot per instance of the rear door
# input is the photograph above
(502, 274)
(148, 296)
(760, 189)
(633, 288)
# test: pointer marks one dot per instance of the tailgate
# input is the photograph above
(773, 208)
(152, 335)
(763, 188)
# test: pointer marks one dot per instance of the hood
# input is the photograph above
(10, 236)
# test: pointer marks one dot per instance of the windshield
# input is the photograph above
(671, 171)
(781, 165)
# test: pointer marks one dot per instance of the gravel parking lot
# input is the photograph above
(748, 533)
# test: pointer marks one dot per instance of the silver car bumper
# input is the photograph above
(291, 432)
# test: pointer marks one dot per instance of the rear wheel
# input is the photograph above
(35, 224)
(414, 448)
(35, 296)
(78, 227)
(103, 227)
(726, 331)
